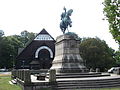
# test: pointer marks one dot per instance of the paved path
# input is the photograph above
(5, 73)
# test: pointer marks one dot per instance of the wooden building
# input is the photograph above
(38, 54)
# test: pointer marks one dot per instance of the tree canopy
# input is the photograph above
(26, 37)
(112, 13)
(1, 33)
(117, 57)
(9, 46)
(73, 35)
(96, 53)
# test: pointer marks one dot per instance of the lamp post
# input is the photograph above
(85, 62)
(13, 63)
(23, 64)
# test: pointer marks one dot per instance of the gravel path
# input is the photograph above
(5, 73)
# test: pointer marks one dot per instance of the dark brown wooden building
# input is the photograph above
(38, 54)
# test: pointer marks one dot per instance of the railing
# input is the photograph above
(25, 75)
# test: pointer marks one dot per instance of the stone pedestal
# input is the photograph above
(67, 58)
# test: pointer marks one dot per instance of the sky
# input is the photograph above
(34, 15)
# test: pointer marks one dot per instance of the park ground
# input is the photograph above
(5, 85)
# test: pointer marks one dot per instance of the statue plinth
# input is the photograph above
(67, 58)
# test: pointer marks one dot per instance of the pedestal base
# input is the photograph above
(67, 58)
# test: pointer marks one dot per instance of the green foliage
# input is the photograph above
(112, 13)
(26, 37)
(117, 57)
(1, 33)
(96, 53)
(74, 35)
(9, 46)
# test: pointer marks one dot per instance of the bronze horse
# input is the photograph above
(66, 21)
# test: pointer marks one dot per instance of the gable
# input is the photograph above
(43, 41)
(44, 37)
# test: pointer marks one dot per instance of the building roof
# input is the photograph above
(42, 36)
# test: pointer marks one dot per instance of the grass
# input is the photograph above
(4, 85)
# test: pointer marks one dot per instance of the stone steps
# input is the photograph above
(83, 84)
(14, 81)
(86, 87)
(78, 75)
(88, 83)
(81, 76)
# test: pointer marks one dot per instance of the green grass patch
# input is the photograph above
(4, 84)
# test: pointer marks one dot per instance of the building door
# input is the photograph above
(44, 59)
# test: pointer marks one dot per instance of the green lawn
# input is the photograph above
(4, 85)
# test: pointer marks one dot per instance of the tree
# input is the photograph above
(117, 57)
(0, 45)
(74, 35)
(8, 51)
(96, 53)
(27, 37)
(5, 53)
(9, 47)
(112, 13)
(1, 33)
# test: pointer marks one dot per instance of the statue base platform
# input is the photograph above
(67, 57)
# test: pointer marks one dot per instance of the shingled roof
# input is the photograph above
(42, 36)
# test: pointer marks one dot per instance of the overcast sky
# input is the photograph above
(34, 15)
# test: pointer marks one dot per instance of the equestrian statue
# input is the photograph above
(65, 20)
